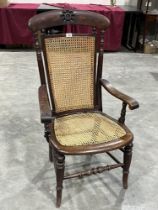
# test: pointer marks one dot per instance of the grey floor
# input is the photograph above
(27, 179)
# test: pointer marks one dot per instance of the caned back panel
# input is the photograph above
(71, 71)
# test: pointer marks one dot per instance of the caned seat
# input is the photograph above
(86, 129)
(70, 95)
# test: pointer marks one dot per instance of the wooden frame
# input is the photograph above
(38, 24)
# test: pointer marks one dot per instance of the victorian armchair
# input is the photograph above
(70, 96)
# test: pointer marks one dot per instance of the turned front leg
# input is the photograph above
(127, 162)
(59, 166)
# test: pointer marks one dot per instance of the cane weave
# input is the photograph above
(86, 129)
(71, 70)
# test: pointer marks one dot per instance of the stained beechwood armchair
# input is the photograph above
(70, 96)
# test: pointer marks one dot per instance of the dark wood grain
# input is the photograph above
(45, 109)
(37, 46)
(133, 104)
(99, 169)
(59, 168)
(39, 25)
(123, 113)
(56, 18)
(99, 70)
(127, 163)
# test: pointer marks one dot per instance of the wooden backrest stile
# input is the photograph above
(99, 70)
(38, 49)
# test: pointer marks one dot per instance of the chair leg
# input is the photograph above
(46, 132)
(46, 135)
(50, 153)
(59, 168)
(127, 162)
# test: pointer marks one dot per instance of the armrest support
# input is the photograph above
(132, 103)
(45, 110)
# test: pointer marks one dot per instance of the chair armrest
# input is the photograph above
(132, 103)
(45, 110)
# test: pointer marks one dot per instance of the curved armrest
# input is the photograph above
(132, 103)
(45, 110)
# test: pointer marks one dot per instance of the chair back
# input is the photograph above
(67, 61)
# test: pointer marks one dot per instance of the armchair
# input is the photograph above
(70, 95)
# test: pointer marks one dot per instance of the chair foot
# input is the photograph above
(127, 162)
(59, 167)
(50, 154)
(58, 197)
(125, 180)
